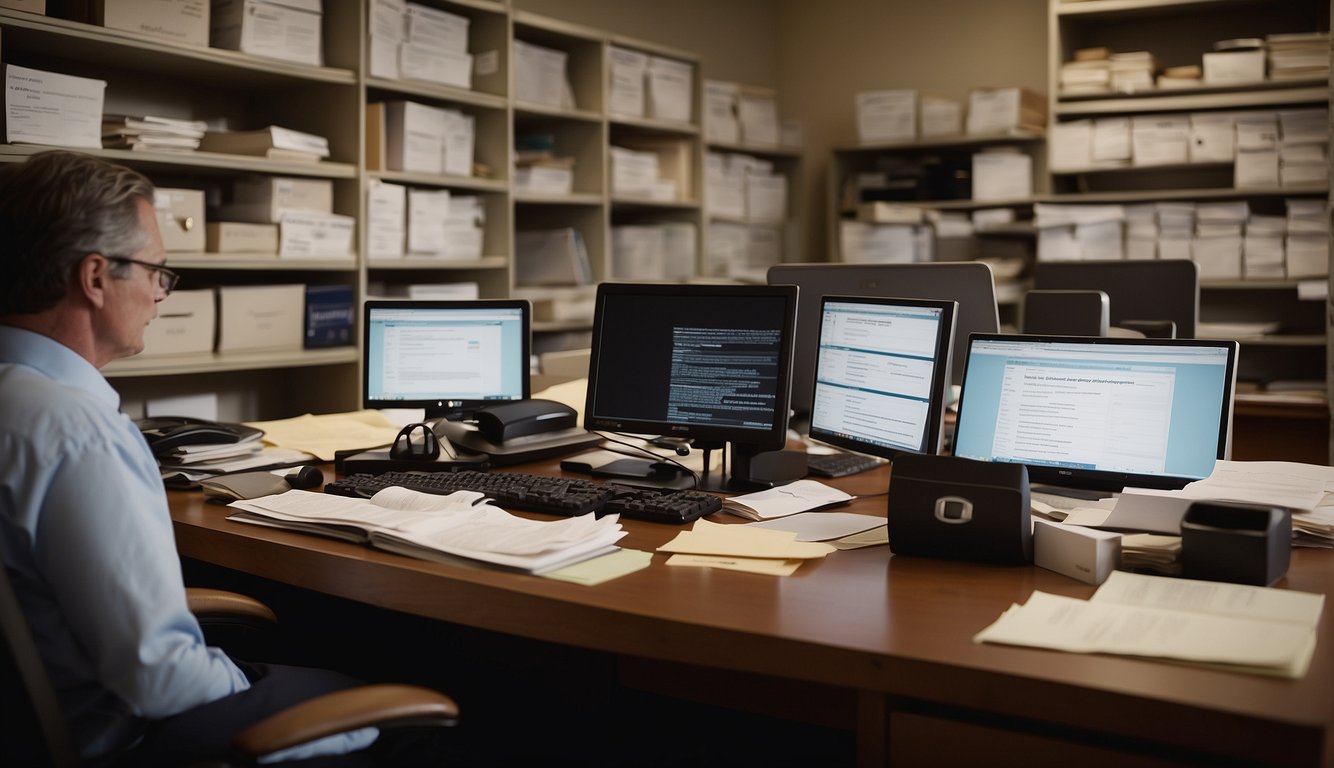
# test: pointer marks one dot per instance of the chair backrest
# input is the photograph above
(33, 726)
(1066, 313)
(1161, 289)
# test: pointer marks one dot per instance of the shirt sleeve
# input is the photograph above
(106, 545)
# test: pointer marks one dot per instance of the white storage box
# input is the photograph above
(261, 317)
(179, 21)
(239, 237)
(276, 29)
(184, 325)
(1232, 67)
(263, 199)
(307, 235)
(414, 137)
(180, 218)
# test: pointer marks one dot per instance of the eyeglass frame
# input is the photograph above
(167, 279)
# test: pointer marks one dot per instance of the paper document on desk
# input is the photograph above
(784, 500)
(322, 435)
(706, 538)
(822, 526)
(1241, 628)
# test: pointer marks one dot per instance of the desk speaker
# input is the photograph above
(960, 509)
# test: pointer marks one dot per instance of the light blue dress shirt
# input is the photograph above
(86, 533)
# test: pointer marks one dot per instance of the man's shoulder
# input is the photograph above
(34, 403)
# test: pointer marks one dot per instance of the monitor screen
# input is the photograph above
(449, 357)
(706, 362)
(970, 283)
(1101, 413)
(881, 373)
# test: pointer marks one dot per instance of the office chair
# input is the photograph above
(33, 727)
(1140, 291)
(1066, 313)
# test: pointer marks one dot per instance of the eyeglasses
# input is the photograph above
(166, 279)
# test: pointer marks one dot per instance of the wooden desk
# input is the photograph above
(891, 634)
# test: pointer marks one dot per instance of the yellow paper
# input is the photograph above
(605, 568)
(764, 565)
(322, 435)
(707, 538)
(874, 537)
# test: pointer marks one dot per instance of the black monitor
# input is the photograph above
(969, 283)
(881, 373)
(1138, 291)
(710, 363)
(1098, 413)
(448, 357)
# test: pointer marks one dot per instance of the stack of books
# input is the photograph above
(1133, 71)
(537, 167)
(149, 133)
(1185, 76)
(1298, 56)
(273, 142)
(1089, 72)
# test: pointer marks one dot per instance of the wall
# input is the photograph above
(735, 39)
(831, 50)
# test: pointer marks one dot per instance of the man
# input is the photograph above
(85, 531)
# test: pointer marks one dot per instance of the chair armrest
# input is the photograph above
(217, 603)
(369, 705)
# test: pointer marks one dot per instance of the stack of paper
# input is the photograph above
(1089, 72)
(1234, 627)
(741, 548)
(1298, 56)
(784, 500)
(462, 525)
(274, 142)
(149, 133)
(1150, 551)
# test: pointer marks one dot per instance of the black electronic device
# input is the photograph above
(513, 433)
(711, 363)
(165, 434)
(506, 421)
(305, 477)
(970, 283)
(1137, 290)
(1241, 543)
(447, 357)
(415, 442)
(948, 507)
(881, 372)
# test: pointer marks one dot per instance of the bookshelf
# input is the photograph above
(148, 75)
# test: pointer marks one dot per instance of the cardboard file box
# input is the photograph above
(1231, 67)
(31, 6)
(305, 235)
(261, 317)
(329, 316)
(276, 29)
(240, 237)
(179, 21)
(185, 324)
(262, 200)
(180, 217)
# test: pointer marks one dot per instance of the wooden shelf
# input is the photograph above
(218, 362)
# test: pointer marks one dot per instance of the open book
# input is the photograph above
(460, 526)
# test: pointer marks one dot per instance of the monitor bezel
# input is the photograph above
(770, 439)
(1106, 480)
(940, 376)
(439, 407)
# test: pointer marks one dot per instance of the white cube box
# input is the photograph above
(241, 237)
(261, 317)
(185, 324)
(276, 29)
(178, 21)
(307, 235)
(263, 199)
(414, 137)
(1233, 67)
(436, 28)
(417, 61)
(889, 115)
(180, 218)
(386, 219)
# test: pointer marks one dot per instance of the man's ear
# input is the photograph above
(91, 278)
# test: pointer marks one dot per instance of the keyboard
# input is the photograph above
(537, 493)
(839, 464)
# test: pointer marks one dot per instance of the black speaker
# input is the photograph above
(961, 509)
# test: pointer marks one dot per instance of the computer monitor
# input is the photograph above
(711, 363)
(881, 374)
(969, 283)
(1165, 289)
(1098, 413)
(448, 357)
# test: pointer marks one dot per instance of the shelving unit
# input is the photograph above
(785, 161)
(1178, 32)
(146, 75)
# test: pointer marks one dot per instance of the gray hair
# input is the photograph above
(55, 209)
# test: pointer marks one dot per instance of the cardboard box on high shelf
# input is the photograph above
(31, 6)
(177, 21)
(289, 30)
(261, 317)
(241, 237)
(414, 137)
(180, 218)
(262, 199)
(1006, 110)
(309, 235)
(185, 324)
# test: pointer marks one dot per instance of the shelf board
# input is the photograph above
(632, 201)
(764, 150)
(426, 262)
(196, 160)
(218, 362)
(416, 178)
(1134, 8)
(1108, 170)
(1219, 193)
(945, 142)
(1268, 93)
(574, 198)
(1253, 285)
(529, 110)
(50, 36)
(259, 262)
(1285, 340)
(653, 124)
(438, 92)
(557, 326)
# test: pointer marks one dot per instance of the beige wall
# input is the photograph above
(735, 39)
(831, 50)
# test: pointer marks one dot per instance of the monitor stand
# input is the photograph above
(752, 469)
(1085, 494)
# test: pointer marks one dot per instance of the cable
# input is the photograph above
(657, 457)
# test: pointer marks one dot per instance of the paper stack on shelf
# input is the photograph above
(1133, 71)
(1298, 56)
(1186, 76)
(1089, 72)
(273, 142)
(461, 526)
(150, 133)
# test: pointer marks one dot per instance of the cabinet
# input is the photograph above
(1281, 330)
(147, 75)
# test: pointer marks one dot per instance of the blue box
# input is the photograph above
(329, 316)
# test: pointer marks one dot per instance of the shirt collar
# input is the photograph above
(55, 361)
